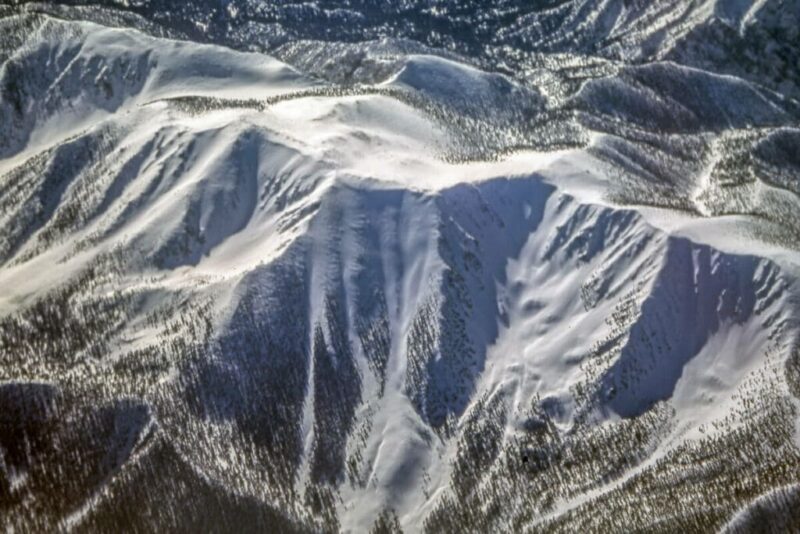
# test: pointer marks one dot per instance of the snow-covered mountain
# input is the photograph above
(531, 268)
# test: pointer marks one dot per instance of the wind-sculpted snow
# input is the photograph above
(430, 267)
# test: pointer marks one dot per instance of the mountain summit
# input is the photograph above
(429, 267)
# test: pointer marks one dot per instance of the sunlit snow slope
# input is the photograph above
(239, 295)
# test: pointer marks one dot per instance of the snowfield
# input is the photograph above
(237, 296)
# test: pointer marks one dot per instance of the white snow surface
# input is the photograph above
(313, 170)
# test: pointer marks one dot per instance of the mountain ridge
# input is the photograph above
(244, 296)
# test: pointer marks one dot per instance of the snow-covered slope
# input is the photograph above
(235, 296)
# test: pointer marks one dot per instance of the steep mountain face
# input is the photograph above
(438, 270)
